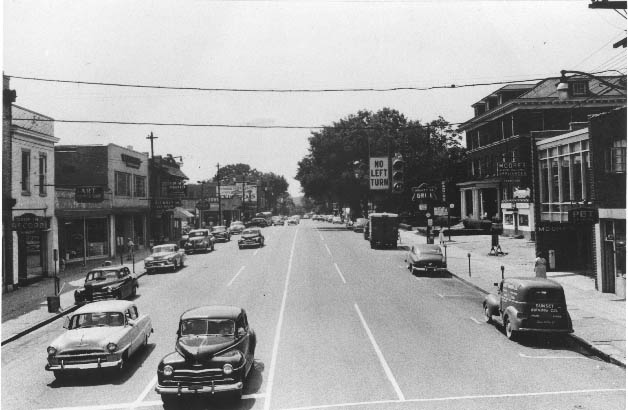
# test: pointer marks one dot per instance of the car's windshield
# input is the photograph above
(163, 248)
(428, 251)
(198, 233)
(96, 319)
(103, 274)
(545, 295)
(216, 327)
(250, 232)
(219, 228)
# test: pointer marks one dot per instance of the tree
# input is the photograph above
(336, 167)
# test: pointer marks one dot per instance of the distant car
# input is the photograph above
(336, 220)
(236, 228)
(251, 237)
(349, 224)
(199, 240)
(528, 304)
(167, 256)
(99, 335)
(277, 221)
(259, 222)
(214, 354)
(292, 221)
(427, 258)
(221, 233)
(359, 224)
(110, 282)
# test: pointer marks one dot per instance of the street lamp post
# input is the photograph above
(219, 195)
(200, 211)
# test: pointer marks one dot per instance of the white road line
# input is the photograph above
(340, 273)
(256, 250)
(328, 251)
(475, 320)
(552, 357)
(455, 398)
(319, 234)
(273, 360)
(450, 296)
(236, 275)
(145, 392)
(380, 355)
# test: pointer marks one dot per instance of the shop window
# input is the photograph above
(123, 183)
(43, 172)
(555, 189)
(97, 237)
(26, 172)
(140, 186)
(523, 220)
(576, 160)
(508, 219)
(564, 163)
(615, 160)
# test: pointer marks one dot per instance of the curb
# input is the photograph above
(47, 321)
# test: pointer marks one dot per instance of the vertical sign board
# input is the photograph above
(378, 173)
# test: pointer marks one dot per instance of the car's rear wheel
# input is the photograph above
(487, 315)
(134, 292)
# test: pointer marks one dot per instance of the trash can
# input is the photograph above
(54, 303)
(620, 286)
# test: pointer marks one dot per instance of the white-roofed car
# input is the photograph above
(166, 256)
(99, 335)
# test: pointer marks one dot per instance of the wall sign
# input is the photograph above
(30, 222)
(130, 161)
(583, 216)
(89, 194)
(512, 169)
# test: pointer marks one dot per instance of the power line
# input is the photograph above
(278, 90)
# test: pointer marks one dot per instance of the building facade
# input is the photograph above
(102, 200)
(167, 189)
(33, 222)
(501, 141)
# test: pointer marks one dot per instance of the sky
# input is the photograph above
(281, 45)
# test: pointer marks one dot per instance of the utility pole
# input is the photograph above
(219, 195)
(151, 137)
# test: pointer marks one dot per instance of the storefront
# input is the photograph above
(84, 238)
(33, 236)
(612, 265)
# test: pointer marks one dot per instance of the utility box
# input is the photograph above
(54, 303)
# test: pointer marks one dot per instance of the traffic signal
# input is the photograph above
(398, 174)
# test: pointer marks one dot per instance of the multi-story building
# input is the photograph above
(102, 200)
(32, 183)
(501, 140)
(582, 198)
(167, 189)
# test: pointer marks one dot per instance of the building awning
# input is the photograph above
(181, 213)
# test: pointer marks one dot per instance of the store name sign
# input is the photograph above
(175, 189)
(131, 162)
(159, 204)
(378, 173)
(583, 215)
(511, 169)
(85, 194)
(30, 222)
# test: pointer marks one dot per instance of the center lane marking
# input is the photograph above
(340, 273)
(273, 360)
(236, 275)
(380, 355)
(328, 251)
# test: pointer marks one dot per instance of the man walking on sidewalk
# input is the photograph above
(540, 266)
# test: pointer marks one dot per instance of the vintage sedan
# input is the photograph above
(251, 237)
(359, 224)
(236, 228)
(107, 282)
(213, 354)
(199, 240)
(167, 256)
(427, 258)
(528, 304)
(259, 222)
(221, 233)
(98, 336)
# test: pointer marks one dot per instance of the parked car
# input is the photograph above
(166, 256)
(259, 222)
(99, 335)
(292, 221)
(236, 228)
(336, 220)
(277, 221)
(109, 282)
(199, 240)
(221, 233)
(426, 257)
(528, 304)
(214, 354)
(359, 224)
(251, 237)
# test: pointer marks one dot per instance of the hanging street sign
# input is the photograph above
(379, 175)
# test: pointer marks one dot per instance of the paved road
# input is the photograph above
(339, 325)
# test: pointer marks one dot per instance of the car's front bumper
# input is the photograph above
(165, 264)
(212, 388)
(523, 325)
(99, 364)
(248, 244)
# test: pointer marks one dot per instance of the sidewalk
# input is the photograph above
(599, 319)
(26, 308)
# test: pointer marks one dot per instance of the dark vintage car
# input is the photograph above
(427, 258)
(99, 335)
(110, 282)
(528, 304)
(199, 240)
(221, 233)
(251, 237)
(359, 224)
(166, 256)
(383, 230)
(259, 222)
(213, 354)
(236, 228)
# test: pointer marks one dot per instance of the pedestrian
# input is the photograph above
(540, 266)
(441, 236)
